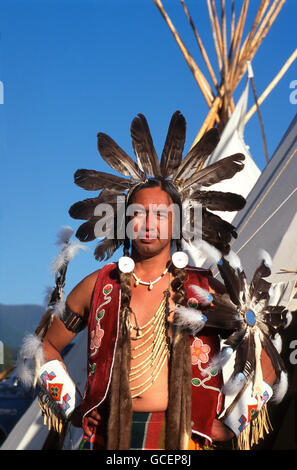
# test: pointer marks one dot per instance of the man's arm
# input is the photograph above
(79, 301)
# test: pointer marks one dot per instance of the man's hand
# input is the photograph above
(91, 421)
(220, 432)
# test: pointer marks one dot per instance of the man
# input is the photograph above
(148, 384)
(151, 256)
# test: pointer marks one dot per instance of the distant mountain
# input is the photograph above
(18, 320)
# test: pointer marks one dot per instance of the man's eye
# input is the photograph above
(139, 214)
(162, 215)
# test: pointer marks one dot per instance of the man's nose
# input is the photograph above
(150, 222)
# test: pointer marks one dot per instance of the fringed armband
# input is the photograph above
(58, 396)
(249, 419)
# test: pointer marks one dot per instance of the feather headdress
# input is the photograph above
(187, 175)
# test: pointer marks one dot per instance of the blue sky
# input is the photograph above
(72, 68)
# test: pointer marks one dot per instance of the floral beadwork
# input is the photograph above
(96, 337)
(200, 355)
(199, 352)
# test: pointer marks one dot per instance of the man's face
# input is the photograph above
(151, 221)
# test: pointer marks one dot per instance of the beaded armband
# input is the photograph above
(73, 322)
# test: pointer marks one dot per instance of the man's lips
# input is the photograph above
(147, 239)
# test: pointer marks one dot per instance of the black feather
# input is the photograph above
(219, 201)
(106, 248)
(223, 169)
(256, 284)
(86, 231)
(275, 358)
(93, 180)
(231, 280)
(143, 146)
(174, 145)
(197, 155)
(85, 209)
(117, 158)
(222, 317)
(216, 231)
(245, 357)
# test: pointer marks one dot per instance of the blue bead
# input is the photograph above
(250, 317)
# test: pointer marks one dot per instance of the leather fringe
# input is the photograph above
(52, 415)
(255, 430)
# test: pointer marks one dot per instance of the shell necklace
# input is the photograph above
(150, 284)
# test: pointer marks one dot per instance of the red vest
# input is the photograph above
(103, 332)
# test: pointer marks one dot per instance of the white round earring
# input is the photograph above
(180, 259)
(126, 264)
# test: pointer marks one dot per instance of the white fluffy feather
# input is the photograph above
(234, 260)
(219, 360)
(202, 253)
(233, 386)
(289, 319)
(47, 296)
(25, 371)
(189, 318)
(32, 348)
(277, 342)
(31, 354)
(59, 308)
(265, 256)
(203, 295)
(280, 389)
(64, 235)
(66, 255)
